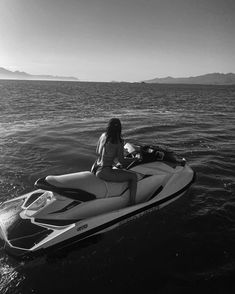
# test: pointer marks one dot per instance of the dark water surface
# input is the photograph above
(52, 127)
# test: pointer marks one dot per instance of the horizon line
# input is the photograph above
(67, 78)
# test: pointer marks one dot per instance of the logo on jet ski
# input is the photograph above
(82, 227)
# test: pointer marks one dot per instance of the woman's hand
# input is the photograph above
(119, 165)
(138, 157)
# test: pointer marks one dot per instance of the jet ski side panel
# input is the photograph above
(180, 179)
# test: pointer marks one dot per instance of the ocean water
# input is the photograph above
(52, 128)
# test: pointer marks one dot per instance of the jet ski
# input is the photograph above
(73, 207)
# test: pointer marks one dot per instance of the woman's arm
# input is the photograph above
(100, 144)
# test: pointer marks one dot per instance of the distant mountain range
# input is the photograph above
(207, 79)
(20, 75)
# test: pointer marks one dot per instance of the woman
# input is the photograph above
(110, 148)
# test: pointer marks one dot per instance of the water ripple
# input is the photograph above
(53, 127)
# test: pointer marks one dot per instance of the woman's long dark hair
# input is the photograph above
(114, 131)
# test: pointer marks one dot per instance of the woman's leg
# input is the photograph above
(118, 175)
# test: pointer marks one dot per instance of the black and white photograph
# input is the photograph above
(117, 146)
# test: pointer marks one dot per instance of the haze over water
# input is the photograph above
(118, 40)
(53, 127)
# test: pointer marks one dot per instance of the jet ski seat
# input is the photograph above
(83, 186)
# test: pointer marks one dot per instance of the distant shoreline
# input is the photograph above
(206, 79)
(6, 74)
(105, 82)
(214, 79)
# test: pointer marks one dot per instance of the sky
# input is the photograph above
(118, 40)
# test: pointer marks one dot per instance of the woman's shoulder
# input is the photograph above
(102, 137)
